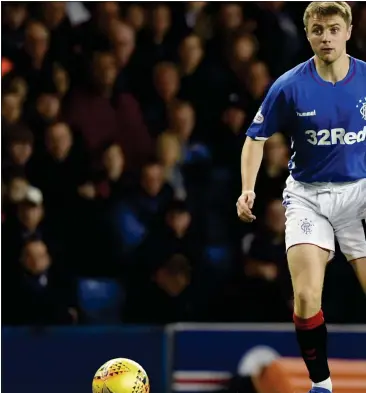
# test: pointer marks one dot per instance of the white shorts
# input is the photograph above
(316, 214)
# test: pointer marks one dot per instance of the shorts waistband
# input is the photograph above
(326, 187)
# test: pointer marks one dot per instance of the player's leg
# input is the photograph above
(307, 264)
(310, 244)
(349, 224)
(360, 269)
(351, 237)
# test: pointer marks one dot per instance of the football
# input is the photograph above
(121, 376)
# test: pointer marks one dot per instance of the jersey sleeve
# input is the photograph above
(271, 115)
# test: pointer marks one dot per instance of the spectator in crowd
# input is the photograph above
(166, 297)
(229, 20)
(28, 221)
(157, 42)
(61, 169)
(169, 153)
(54, 14)
(123, 45)
(19, 141)
(19, 87)
(178, 235)
(34, 62)
(166, 87)
(182, 123)
(14, 191)
(11, 110)
(61, 81)
(13, 27)
(54, 17)
(93, 113)
(280, 48)
(228, 139)
(141, 213)
(195, 154)
(240, 54)
(197, 20)
(111, 182)
(17, 188)
(92, 35)
(42, 295)
(135, 16)
(115, 183)
(47, 110)
(190, 54)
(262, 274)
(264, 250)
(198, 84)
(258, 83)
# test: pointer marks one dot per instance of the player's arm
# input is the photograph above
(251, 159)
(267, 121)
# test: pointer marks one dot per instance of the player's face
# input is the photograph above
(328, 36)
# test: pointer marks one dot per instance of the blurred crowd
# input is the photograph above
(122, 127)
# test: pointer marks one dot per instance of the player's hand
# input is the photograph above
(244, 206)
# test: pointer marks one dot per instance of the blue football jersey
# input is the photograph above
(326, 122)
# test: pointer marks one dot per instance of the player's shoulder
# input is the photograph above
(292, 77)
(360, 66)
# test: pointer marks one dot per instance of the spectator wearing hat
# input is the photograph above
(27, 223)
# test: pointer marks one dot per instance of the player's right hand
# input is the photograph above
(244, 206)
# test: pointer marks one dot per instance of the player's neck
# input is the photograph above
(333, 72)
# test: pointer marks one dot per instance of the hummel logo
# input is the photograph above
(306, 114)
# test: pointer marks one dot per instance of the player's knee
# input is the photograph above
(307, 301)
(308, 296)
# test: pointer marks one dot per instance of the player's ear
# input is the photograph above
(306, 32)
(349, 32)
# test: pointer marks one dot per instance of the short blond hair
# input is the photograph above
(327, 8)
